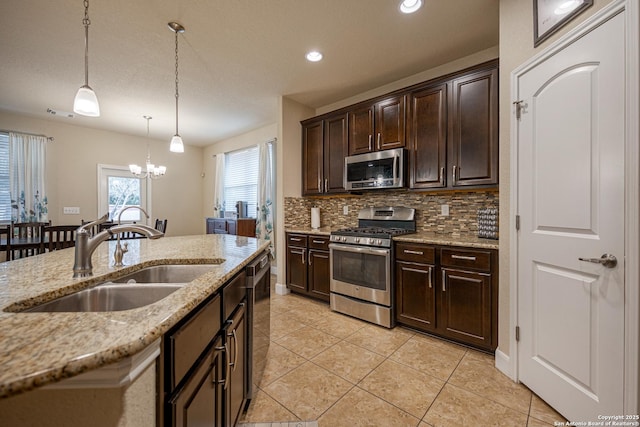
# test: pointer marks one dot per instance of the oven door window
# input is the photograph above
(360, 269)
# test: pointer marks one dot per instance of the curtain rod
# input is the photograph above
(49, 138)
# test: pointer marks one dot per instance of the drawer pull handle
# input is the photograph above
(407, 251)
(235, 345)
(309, 258)
(295, 239)
(302, 255)
(444, 281)
(430, 277)
(463, 257)
(318, 241)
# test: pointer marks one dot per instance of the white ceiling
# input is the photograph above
(236, 56)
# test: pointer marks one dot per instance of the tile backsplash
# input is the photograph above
(462, 219)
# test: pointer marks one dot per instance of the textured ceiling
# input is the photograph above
(236, 56)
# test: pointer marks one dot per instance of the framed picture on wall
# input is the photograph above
(551, 15)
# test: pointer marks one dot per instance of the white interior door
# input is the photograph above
(571, 206)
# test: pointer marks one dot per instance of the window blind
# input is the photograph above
(5, 188)
(241, 179)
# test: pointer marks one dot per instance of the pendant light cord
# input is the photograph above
(177, 94)
(86, 22)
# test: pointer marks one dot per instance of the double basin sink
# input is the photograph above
(134, 290)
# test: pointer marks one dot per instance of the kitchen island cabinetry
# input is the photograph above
(448, 291)
(308, 265)
(203, 362)
(324, 147)
(376, 127)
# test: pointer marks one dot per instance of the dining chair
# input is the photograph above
(58, 237)
(161, 225)
(26, 238)
(5, 241)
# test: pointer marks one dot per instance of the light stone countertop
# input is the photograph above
(42, 348)
(469, 241)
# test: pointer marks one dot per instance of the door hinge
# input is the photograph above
(517, 333)
(519, 107)
(517, 222)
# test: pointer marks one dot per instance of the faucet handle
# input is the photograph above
(87, 227)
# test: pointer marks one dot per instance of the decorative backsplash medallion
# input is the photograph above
(462, 219)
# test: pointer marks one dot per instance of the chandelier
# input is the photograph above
(152, 170)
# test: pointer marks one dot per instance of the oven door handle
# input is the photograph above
(359, 249)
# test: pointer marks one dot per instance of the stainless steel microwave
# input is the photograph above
(377, 170)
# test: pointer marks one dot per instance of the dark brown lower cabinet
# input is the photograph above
(448, 291)
(202, 368)
(199, 402)
(308, 265)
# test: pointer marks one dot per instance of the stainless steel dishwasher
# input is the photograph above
(258, 320)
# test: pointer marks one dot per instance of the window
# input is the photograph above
(241, 179)
(118, 189)
(5, 186)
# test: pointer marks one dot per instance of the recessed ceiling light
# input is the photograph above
(314, 56)
(410, 6)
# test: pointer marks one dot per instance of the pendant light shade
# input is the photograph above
(86, 102)
(176, 145)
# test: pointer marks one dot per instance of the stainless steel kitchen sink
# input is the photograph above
(134, 290)
(167, 273)
(108, 297)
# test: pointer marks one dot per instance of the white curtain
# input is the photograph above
(266, 195)
(218, 186)
(27, 154)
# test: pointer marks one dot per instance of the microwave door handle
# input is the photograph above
(395, 168)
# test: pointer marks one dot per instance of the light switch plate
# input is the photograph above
(444, 210)
(345, 210)
(71, 210)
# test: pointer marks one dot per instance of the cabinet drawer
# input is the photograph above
(220, 225)
(233, 293)
(318, 242)
(190, 340)
(480, 260)
(299, 240)
(415, 252)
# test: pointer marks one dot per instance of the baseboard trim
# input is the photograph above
(282, 289)
(503, 364)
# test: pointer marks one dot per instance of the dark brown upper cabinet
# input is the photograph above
(428, 137)
(453, 132)
(324, 147)
(379, 126)
(473, 129)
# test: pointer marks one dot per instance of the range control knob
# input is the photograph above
(357, 240)
(379, 241)
(344, 239)
(371, 241)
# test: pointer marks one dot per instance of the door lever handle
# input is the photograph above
(607, 260)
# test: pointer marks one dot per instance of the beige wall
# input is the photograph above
(72, 161)
(516, 47)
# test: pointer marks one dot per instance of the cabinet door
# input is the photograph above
(361, 130)
(220, 226)
(465, 307)
(236, 338)
(210, 225)
(200, 401)
(319, 274)
(473, 129)
(390, 123)
(336, 148)
(312, 158)
(232, 226)
(297, 268)
(428, 137)
(415, 295)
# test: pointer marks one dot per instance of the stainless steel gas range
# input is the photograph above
(361, 264)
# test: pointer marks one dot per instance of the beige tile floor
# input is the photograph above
(326, 367)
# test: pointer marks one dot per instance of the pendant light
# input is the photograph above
(86, 102)
(176, 145)
(152, 171)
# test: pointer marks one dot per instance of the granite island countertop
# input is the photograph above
(42, 348)
(424, 237)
